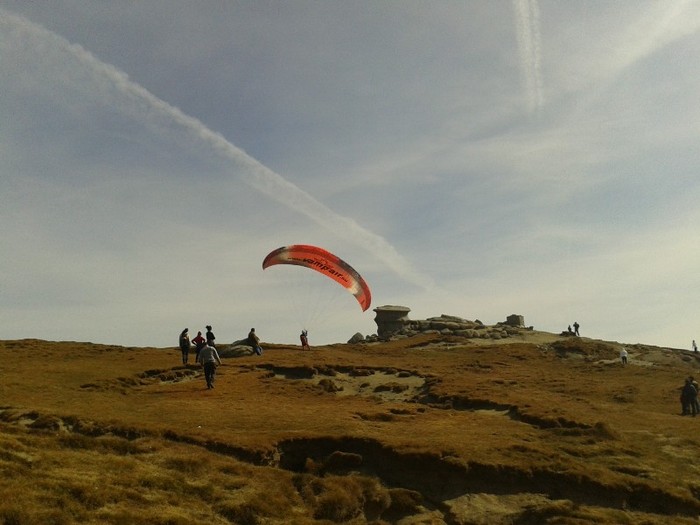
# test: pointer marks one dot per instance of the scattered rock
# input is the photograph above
(329, 386)
(357, 338)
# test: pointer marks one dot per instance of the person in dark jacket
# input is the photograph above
(696, 386)
(689, 396)
(210, 337)
(185, 345)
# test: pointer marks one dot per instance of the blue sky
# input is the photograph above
(476, 159)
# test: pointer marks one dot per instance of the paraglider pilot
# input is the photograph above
(304, 340)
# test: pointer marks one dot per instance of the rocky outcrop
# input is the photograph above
(391, 319)
(393, 322)
(515, 320)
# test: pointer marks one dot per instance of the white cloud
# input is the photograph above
(527, 16)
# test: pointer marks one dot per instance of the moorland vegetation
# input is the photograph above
(534, 429)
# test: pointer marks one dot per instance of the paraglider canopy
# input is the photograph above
(325, 263)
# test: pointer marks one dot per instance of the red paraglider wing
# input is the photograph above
(326, 263)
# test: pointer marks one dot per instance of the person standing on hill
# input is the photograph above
(623, 355)
(695, 347)
(210, 337)
(304, 338)
(185, 345)
(254, 342)
(696, 386)
(576, 325)
(689, 396)
(199, 342)
(209, 358)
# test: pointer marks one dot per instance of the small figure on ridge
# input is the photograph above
(304, 340)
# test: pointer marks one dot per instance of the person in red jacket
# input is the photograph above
(304, 340)
(199, 342)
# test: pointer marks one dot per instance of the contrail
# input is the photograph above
(115, 86)
(527, 17)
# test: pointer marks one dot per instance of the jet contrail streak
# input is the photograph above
(116, 88)
(528, 32)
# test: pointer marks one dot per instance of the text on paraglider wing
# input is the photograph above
(325, 268)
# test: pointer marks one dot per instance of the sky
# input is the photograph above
(468, 158)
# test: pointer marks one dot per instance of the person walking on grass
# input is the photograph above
(209, 358)
(185, 345)
(576, 327)
(623, 355)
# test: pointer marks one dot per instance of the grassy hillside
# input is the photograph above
(533, 429)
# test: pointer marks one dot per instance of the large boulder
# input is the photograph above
(515, 320)
(391, 319)
(236, 349)
(357, 338)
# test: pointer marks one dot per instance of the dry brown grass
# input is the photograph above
(534, 429)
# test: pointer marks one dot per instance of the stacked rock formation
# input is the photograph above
(393, 323)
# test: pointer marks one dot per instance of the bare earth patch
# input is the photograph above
(389, 386)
